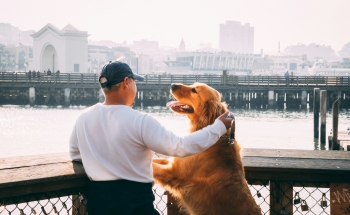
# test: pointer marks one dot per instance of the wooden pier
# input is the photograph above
(255, 92)
(273, 175)
(343, 140)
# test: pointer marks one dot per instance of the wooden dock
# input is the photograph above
(34, 178)
(343, 140)
(255, 92)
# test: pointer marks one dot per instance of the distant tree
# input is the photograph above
(312, 51)
(345, 51)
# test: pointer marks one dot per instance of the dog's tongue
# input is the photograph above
(173, 103)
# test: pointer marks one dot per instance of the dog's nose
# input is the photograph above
(174, 86)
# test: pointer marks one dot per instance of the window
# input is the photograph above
(76, 67)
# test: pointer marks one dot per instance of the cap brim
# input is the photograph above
(138, 77)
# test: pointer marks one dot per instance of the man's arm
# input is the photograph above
(165, 142)
(73, 146)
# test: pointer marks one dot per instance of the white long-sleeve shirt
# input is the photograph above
(116, 142)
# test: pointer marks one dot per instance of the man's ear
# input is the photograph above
(126, 83)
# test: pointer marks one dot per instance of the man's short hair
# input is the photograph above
(114, 87)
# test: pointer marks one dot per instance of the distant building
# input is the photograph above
(15, 57)
(12, 35)
(182, 46)
(65, 50)
(145, 46)
(345, 63)
(211, 63)
(278, 65)
(237, 38)
(330, 68)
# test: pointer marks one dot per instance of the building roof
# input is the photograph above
(69, 30)
(70, 27)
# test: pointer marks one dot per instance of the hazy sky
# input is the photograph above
(196, 21)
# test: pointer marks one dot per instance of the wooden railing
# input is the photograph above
(215, 80)
(274, 177)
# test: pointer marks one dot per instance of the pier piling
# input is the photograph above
(323, 111)
(67, 96)
(316, 111)
(31, 96)
(335, 109)
(272, 99)
(303, 99)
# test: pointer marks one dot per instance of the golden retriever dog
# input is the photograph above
(213, 181)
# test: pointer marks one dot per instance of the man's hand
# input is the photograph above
(225, 120)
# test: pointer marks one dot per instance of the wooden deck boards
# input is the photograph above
(43, 173)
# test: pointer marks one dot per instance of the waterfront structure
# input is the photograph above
(211, 63)
(238, 91)
(237, 38)
(328, 68)
(15, 57)
(278, 65)
(65, 50)
(12, 35)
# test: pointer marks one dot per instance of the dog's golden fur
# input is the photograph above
(213, 181)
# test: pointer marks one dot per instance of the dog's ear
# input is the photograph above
(211, 111)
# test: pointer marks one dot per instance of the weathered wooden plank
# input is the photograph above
(41, 173)
(37, 192)
(298, 164)
(295, 153)
(33, 160)
(41, 178)
(33, 187)
(301, 176)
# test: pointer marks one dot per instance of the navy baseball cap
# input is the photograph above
(115, 72)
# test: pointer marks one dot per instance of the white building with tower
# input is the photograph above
(65, 50)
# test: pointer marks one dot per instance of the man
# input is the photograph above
(116, 144)
(49, 75)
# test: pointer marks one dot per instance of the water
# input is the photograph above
(26, 130)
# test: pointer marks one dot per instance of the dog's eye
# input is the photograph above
(194, 90)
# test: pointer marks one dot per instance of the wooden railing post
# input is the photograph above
(297, 80)
(281, 197)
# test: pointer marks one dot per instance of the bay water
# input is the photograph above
(26, 130)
